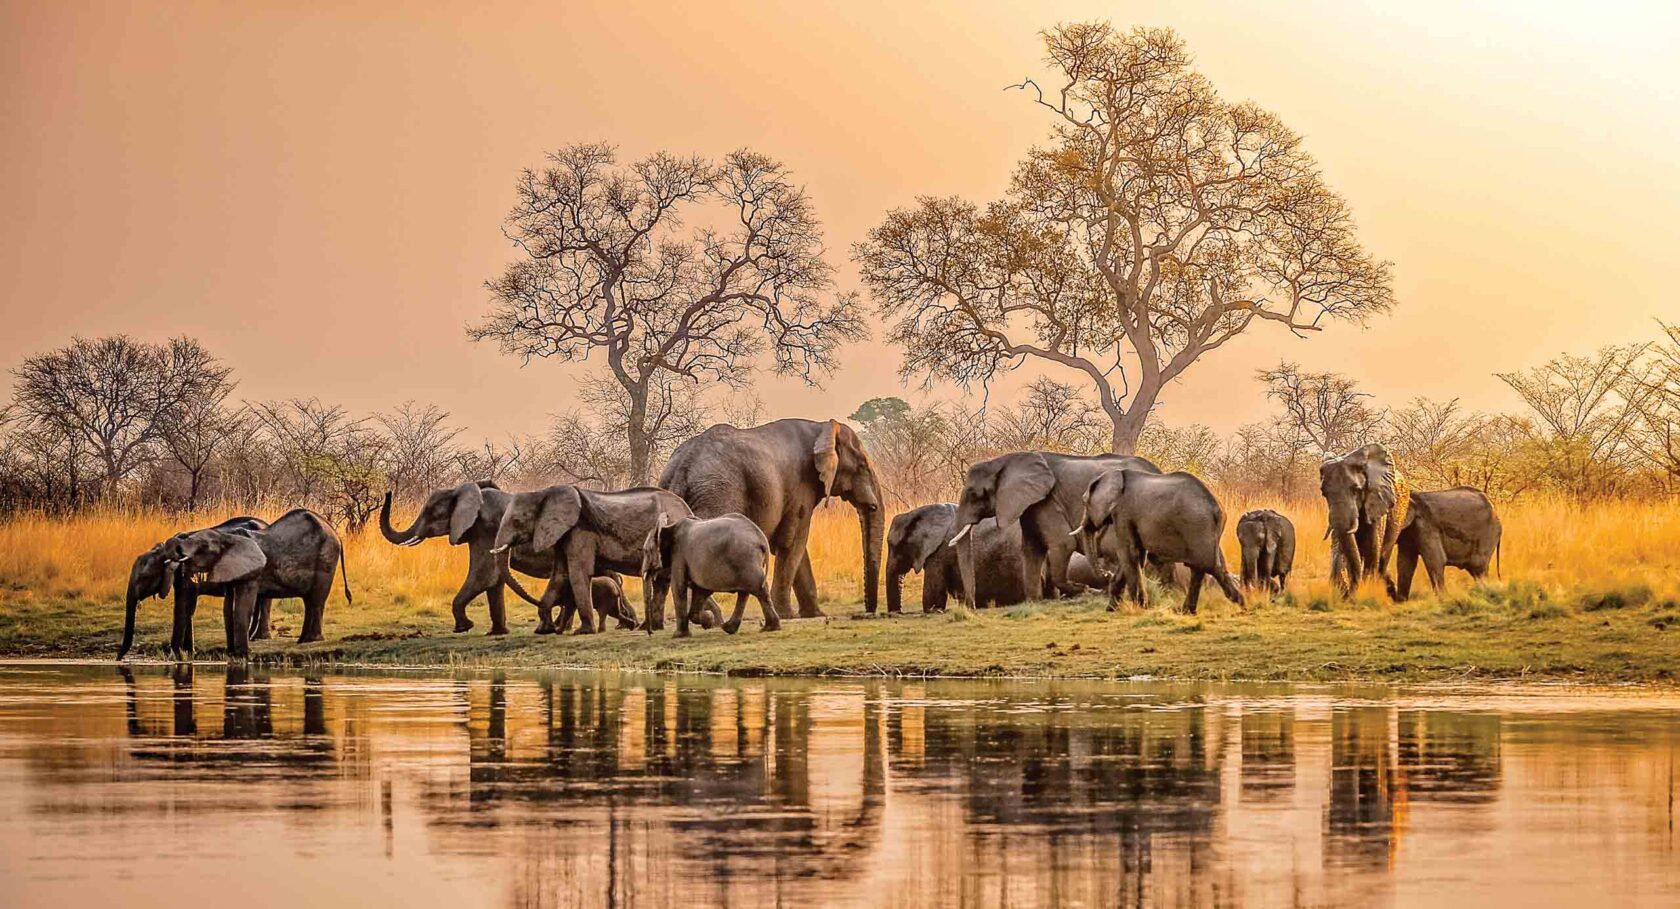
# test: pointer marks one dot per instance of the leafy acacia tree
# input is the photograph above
(1159, 222)
(606, 265)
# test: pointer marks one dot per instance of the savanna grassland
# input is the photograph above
(1589, 592)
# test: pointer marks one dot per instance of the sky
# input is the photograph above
(315, 189)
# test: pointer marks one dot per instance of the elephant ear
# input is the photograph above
(558, 514)
(1379, 480)
(653, 548)
(166, 583)
(825, 455)
(241, 559)
(931, 531)
(469, 498)
(1102, 495)
(1024, 482)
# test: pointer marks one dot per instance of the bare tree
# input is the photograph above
(1585, 411)
(422, 451)
(330, 458)
(1051, 416)
(1159, 222)
(200, 427)
(116, 396)
(1194, 448)
(1656, 435)
(1327, 409)
(604, 265)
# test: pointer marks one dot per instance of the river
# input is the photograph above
(182, 786)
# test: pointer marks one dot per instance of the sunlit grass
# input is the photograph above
(1589, 588)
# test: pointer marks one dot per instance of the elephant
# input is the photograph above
(1172, 516)
(295, 557)
(776, 474)
(151, 576)
(1040, 491)
(1454, 527)
(1268, 549)
(588, 534)
(700, 556)
(471, 514)
(916, 542)
(1367, 501)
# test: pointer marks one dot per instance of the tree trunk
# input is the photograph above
(1129, 423)
(640, 453)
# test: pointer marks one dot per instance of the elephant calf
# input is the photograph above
(1454, 527)
(1172, 517)
(695, 557)
(1268, 549)
(917, 541)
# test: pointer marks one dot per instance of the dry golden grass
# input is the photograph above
(1592, 585)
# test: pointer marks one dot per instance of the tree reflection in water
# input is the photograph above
(584, 789)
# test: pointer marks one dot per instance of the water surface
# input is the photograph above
(152, 786)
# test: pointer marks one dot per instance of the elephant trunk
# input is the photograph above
(1349, 552)
(132, 606)
(392, 535)
(872, 523)
(965, 566)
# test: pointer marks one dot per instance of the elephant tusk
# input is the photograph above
(1075, 532)
(413, 541)
(960, 534)
(500, 549)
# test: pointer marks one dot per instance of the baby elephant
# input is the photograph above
(1453, 527)
(1268, 549)
(696, 557)
(1171, 517)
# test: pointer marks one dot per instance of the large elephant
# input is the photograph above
(471, 514)
(1367, 503)
(588, 533)
(1042, 491)
(916, 541)
(1455, 528)
(1173, 517)
(152, 576)
(296, 556)
(776, 474)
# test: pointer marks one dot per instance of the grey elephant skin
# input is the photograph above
(152, 576)
(296, 556)
(776, 474)
(695, 557)
(1267, 540)
(470, 515)
(1452, 528)
(1043, 492)
(591, 534)
(1173, 517)
(916, 541)
(1359, 489)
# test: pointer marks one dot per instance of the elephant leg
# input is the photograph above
(496, 596)
(260, 630)
(1434, 556)
(772, 622)
(470, 589)
(1195, 592)
(680, 599)
(1367, 542)
(314, 612)
(734, 623)
(583, 601)
(805, 587)
(934, 589)
(236, 621)
(658, 587)
(1405, 566)
(180, 626)
(781, 584)
(1228, 586)
(1057, 554)
(552, 593)
(1032, 568)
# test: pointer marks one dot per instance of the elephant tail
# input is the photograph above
(344, 575)
(1499, 558)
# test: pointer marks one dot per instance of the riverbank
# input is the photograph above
(1494, 632)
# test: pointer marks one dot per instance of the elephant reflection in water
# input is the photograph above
(551, 753)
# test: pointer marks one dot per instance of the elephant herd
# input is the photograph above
(1027, 525)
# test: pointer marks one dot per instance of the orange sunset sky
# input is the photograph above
(315, 189)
